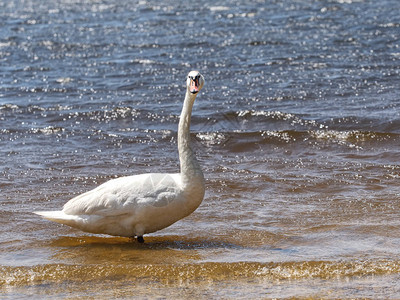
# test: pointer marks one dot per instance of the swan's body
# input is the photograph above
(139, 204)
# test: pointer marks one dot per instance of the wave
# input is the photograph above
(242, 141)
(264, 119)
(67, 112)
(226, 121)
(208, 271)
(236, 129)
(350, 139)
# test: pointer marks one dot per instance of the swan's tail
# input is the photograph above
(82, 222)
(57, 216)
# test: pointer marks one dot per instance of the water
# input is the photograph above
(297, 130)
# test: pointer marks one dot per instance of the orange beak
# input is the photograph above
(194, 85)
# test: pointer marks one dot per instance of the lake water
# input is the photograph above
(297, 130)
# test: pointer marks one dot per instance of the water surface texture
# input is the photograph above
(297, 130)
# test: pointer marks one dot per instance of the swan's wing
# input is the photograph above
(125, 195)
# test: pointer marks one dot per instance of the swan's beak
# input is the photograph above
(194, 85)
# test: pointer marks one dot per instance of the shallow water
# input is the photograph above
(297, 130)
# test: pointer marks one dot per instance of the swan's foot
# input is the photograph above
(140, 239)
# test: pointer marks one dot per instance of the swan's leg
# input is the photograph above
(140, 239)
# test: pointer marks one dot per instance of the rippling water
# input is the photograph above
(297, 130)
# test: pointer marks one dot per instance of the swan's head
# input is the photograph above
(195, 82)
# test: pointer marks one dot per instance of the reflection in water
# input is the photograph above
(156, 250)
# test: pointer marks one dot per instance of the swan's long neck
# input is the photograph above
(190, 169)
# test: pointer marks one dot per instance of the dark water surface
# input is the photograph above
(297, 130)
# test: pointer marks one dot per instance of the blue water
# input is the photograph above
(297, 130)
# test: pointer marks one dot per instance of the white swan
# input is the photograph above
(139, 204)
